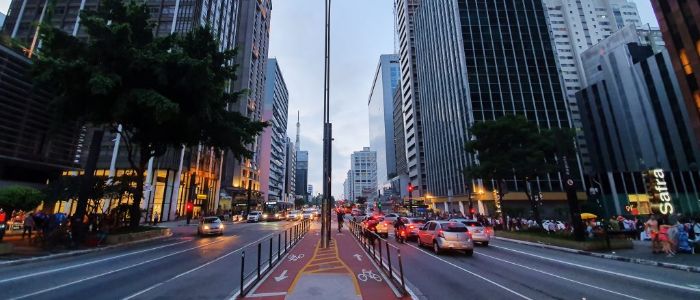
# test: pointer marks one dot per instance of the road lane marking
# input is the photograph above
(282, 276)
(604, 271)
(472, 273)
(560, 277)
(111, 272)
(88, 263)
(195, 269)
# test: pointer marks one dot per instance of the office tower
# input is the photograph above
(635, 120)
(290, 171)
(347, 187)
(33, 148)
(274, 137)
(2, 19)
(252, 39)
(381, 117)
(400, 146)
(310, 190)
(180, 175)
(302, 165)
(680, 25)
(415, 154)
(577, 25)
(478, 61)
(363, 166)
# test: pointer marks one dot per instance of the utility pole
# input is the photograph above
(327, 139)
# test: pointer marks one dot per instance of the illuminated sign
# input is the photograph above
(271, 203)
(659, 195)
(201, 196)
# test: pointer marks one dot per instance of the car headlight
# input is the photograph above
(264, 215)
(277, 215)
(206, 226)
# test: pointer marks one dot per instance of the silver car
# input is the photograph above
(446, 235)
(210, 226)
(480, 234)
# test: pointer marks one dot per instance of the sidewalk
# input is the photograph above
(342, 271)
(640, 254)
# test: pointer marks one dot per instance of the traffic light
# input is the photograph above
(190, 207)
(472, 211)
(410, 188)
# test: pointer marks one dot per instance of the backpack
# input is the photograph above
(683, 245)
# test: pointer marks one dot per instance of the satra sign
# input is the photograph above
(658, 190)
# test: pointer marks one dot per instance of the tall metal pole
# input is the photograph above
(327, 138)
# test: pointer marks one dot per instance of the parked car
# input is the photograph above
(254, 216)
(294, 215)
(446, 235)
(480, 233)
(210, 226)
(412, 227)
(391, 217)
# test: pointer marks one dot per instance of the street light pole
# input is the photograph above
(327, 139)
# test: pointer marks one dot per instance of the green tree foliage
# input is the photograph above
(164, 91)
(513, 147)
(20, 198)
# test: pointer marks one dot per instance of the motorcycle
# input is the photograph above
(400, 235)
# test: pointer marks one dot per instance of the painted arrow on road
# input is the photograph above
(359, 257)
(282, 276)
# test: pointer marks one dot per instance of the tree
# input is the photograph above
(164, 91)
(509, 147)
(299, 202)
(20, 198)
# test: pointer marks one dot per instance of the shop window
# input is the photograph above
(685, 62)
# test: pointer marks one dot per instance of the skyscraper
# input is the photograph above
(302, 165)
(400, 145)
(290, 171)
(415, 154)
(381, 116)
(680, 24)
(252, 41)
(363, 166)
(478, 61)
(274, 138)
(2, 19)
(635, 119)
(575, 26)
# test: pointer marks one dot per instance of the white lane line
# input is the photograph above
(604, 271)
(560, 277)
(112, 271)
(472, 273)
(88, 263)
(195, 269)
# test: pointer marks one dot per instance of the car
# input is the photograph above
(480, 233)
(377, 225)
(391, 217)
(294, 215)
(254, 216)
(413, 225)
(210, 226)
(307, 214)
(316, 213)
(446, 235)
(359, 216)
(269, 216)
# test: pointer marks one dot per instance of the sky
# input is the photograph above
(361, 30)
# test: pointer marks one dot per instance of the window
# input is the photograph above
(431, 225)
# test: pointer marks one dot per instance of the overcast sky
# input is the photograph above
(361, 31)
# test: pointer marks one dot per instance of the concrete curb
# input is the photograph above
(609, 256)
(77, 252)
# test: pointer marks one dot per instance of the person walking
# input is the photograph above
(28, 225)
(341, 219)
(652, 228)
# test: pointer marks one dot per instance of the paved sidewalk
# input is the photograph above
(342, 271)
(642, 250)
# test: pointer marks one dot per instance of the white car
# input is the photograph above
(254, 216)
(307, 214)
(210, 226)
(391, 217)
(480, 233)
(294, 215)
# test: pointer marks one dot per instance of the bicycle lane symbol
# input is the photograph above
(294, 258)
(368, 274)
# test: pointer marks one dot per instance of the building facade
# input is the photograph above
(302, 173)
(575, 26)
(347, 187)
(415, 154)
(680, 25)
(34, 148)
(363, 166)
(290, 171)
(252, 40)
(635, 119)
(381, 117)
(400, 146)
(478, 61)
(274, 138)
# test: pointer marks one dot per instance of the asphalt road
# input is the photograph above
(505, 270)
(183, 266)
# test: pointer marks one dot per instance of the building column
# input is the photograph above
(176, 187)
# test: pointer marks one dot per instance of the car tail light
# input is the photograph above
(411, 227)
(440, 234)
(469, 235)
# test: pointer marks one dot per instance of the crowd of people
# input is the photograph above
(673, 235)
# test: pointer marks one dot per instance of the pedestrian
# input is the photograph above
(28, 225)
(155, 219)
(651, 227)
(341, 216)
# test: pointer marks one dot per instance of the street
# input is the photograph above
(505, 270)
(181, 267)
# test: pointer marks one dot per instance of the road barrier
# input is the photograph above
(252, 274)
(385, 254)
